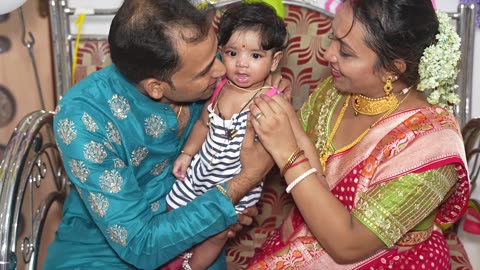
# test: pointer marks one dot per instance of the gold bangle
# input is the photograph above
(291, 160)
(183, 152)
(224, 192)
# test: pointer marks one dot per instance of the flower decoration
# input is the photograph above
(438, 66)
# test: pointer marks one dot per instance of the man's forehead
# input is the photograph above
(197, 57)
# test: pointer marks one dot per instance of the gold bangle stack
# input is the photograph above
(294, 156)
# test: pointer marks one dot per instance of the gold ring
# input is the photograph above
(258, 115)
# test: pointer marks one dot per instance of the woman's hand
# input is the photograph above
(276, 80)
(271, 118)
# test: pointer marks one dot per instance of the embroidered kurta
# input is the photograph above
(118, 147)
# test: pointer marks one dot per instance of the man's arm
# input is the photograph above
(140, 234)
(256, 163)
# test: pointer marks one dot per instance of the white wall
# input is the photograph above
(94, 24)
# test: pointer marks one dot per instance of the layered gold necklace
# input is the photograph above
(326, 153)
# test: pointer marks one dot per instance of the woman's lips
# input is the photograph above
(336, 73)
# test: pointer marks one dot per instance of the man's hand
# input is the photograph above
(244, 219)
(256, 163)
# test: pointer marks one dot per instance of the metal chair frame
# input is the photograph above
(31, 157)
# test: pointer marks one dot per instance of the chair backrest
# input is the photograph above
(31, 180)
(471, 137)
(307, 22)
(465, 24)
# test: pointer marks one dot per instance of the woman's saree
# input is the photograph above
(418, 147)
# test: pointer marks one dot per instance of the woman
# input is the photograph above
(391, 161)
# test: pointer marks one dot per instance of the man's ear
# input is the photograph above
(276, 60)
(154, 88)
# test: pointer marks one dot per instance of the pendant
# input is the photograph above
(230, 134)
(323, 161)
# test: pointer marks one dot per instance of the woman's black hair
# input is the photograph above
(397, 29)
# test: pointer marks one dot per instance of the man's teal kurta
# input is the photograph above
(118, 147)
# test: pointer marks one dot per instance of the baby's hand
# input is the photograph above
(274, 91)
(180, 166)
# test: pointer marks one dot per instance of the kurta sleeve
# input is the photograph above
(104, 171)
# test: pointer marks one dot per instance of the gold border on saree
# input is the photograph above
(415, 237)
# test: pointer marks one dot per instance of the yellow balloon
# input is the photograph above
(276, 4)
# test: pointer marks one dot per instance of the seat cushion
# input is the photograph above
(458, 256)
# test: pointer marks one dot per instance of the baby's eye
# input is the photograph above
(231, 53)
(256, 56)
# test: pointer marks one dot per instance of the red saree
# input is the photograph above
(398, 147)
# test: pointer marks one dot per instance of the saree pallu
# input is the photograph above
(399, 145)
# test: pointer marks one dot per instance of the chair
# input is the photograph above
(308, 24)
(32, 179)
(471, 137)
(468, 229)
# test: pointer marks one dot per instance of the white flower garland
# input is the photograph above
(438, 66)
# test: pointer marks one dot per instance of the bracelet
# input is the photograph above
(291, 160)
(224, 192)
(298, 162)
(183, 152)
(186, 257)
(299, 179)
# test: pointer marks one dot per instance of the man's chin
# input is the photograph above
(209, 91)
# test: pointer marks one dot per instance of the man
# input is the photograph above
(119, 131)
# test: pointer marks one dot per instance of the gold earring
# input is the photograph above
(388, 87)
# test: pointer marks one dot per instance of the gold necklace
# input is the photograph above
(179, 111)
(325, 155)
(373, 106)
(231, 132)
(248, 90)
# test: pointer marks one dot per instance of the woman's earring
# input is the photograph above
(388, 87)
